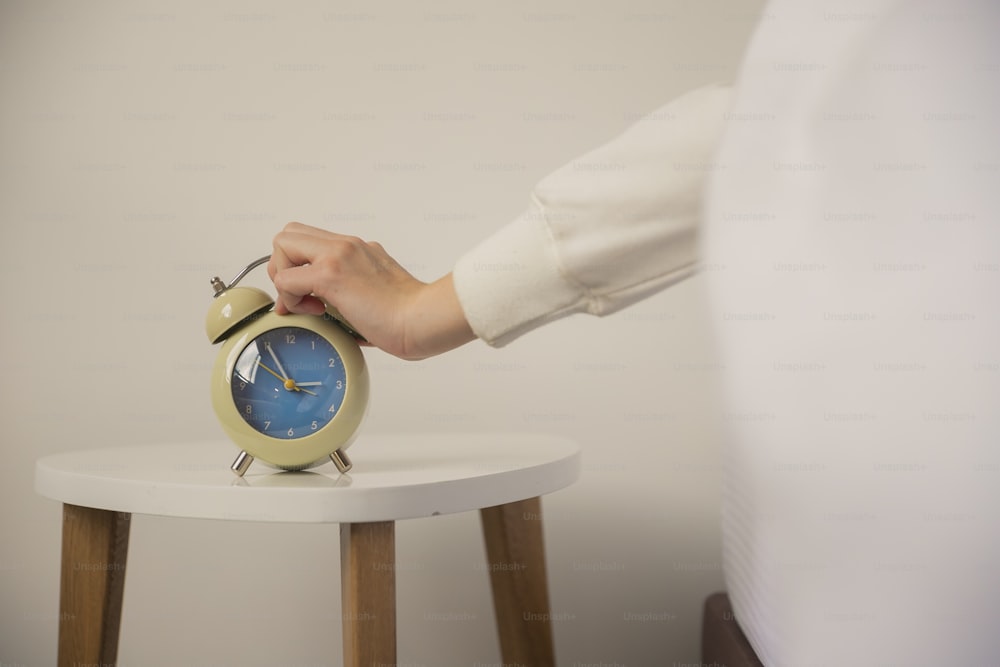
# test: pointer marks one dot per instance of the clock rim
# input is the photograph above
(293, 453)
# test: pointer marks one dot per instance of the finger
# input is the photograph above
(295, 250)
(300, 228)
(305, 305)
(281, 246)
(292, 248)
(296, 288)
(279, 257)
(309, 305)
(278, 260)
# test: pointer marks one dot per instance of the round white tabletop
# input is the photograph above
(394, 477)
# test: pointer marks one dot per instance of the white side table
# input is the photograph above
(395, 477)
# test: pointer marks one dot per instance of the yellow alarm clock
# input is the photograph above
(290, 390)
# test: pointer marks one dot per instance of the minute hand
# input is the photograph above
(284, 374)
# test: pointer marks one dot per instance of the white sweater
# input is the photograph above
(848, 197)
(602, 232)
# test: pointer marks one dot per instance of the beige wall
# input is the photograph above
(145, 147)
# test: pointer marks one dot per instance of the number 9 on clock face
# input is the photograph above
(288, 383)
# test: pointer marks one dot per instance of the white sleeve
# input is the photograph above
(602, 232)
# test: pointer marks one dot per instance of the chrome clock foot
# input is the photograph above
(339, 458)
(241, 464)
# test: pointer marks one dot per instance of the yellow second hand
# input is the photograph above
(270, 371)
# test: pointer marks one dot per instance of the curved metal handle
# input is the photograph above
(221, 287)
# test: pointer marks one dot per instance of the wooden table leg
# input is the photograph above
(92, 583)
(516, 555)
(368, 593)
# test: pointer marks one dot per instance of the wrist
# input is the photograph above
(434, 321)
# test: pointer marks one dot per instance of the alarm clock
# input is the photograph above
(290, 390)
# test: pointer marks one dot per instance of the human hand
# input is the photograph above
(394, 311)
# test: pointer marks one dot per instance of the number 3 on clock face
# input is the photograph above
(288, 383)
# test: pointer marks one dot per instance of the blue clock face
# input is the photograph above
(288, 383)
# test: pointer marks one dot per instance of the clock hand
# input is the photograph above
(308, 384)
(288, 383)
(277, 363)
(285, 381)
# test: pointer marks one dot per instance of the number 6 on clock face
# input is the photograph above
(288, 383)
